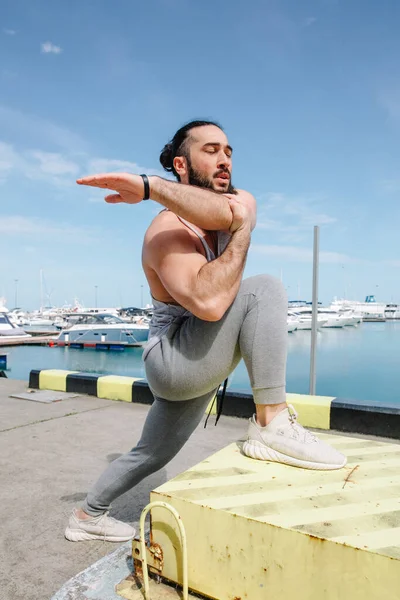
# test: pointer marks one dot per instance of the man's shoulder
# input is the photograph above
(166, 226)
(164, 220)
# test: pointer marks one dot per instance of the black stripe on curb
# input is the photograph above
(366, 418)
(141, 393)
(34, 379)
(82, 383)
(238, 404)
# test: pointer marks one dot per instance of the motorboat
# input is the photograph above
(332, 317)
(9, 331)
(304, 320)
(101, 331)
(18, 317)
(133, 314)
(292, 323)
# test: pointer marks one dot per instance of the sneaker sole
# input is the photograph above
(78, 535)
(258, 451)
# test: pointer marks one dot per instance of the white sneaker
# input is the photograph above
(98, 528)
(286, 441)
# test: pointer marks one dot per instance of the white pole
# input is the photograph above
(314, 329)
(41, 290)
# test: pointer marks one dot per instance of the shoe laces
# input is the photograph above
(105, 517)
(298, 430)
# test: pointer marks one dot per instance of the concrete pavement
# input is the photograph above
(49, 456)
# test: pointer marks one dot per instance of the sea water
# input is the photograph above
(360, 362)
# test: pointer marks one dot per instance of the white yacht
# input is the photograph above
(304, 320)
(368, 309)
(392, 312)
(101, 331)
(334, 318)
(9, 331)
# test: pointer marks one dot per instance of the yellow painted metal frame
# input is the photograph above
(260, 530)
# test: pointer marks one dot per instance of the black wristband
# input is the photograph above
(146, 184)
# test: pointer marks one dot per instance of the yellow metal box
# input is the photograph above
(260, 530)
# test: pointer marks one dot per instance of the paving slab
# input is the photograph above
(49, 456)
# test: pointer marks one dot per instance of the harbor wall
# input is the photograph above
(319, 412)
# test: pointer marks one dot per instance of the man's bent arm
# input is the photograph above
(218, 281)
(204, 208)
(205, 289)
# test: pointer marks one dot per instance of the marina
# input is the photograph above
(354, 362)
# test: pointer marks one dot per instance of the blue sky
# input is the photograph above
(308, 93)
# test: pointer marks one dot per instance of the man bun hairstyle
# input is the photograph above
(179, 145)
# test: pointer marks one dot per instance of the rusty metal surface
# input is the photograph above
(254, 526)
(132, 589)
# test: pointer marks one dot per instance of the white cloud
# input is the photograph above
(389, 99)
(104, 165)
(7, 159)
(49, 48)
(32, 227)
(392, 263)
(9, 31)
(57, 169)
(37, 165)
(317, 219)
(309, 21)
(55, 164)
(391, 185)
(292, 218)
(39, 131)
(9, 74)
(299, 254)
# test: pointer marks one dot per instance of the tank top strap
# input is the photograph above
(209, 253)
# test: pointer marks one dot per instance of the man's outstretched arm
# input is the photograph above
(204, 208)
(199, 206)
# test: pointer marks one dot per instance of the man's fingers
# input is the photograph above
(102, 180)
(113, 198)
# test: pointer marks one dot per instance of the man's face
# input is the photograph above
(209, 164)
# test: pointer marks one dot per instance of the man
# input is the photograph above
(205, 320)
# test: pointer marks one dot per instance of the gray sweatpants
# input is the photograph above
(185, 370)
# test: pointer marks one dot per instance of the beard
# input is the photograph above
(201, 180)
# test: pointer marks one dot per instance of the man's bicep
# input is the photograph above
(177, 263)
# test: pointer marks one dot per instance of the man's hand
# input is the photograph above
(248, 202)
(240, 213)
(130, 188)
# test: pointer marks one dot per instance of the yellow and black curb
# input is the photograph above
(320, 412)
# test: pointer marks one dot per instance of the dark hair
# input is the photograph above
(179, 145)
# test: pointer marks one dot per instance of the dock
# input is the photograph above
(39, 340)
(50, 453)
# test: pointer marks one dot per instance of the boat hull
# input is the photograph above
(103, 337)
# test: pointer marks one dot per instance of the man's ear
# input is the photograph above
(180, 166)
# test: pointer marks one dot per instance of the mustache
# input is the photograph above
(222, 172)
